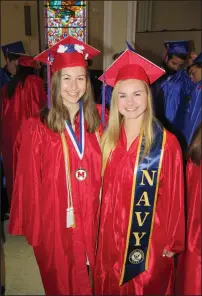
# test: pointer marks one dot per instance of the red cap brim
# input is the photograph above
(143, 69)
(43, 57)
(27, 61)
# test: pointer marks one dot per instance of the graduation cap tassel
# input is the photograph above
(103, 102)
(129, 46)
(48, 82)
(108, 94)
(165, 54)
(6, 55)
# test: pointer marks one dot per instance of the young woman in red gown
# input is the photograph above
(58, 176)
(142, 206)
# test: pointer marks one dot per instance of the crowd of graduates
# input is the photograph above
(106, 192)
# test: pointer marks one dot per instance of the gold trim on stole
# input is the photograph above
(131, 207)
(133, 200)
(155, 198)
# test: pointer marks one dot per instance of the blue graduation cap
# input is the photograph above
(178, 47)
(15, 47)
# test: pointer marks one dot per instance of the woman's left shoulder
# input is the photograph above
(34, 79)
(171, 142)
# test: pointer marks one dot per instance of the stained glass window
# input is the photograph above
(63, 18)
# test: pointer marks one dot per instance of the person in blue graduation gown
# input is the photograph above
(10, 52)
(171, 93)
(194, 110)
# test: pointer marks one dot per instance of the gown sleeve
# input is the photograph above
(26, 203)
(1, 116)
(173, 192)
(36, 93)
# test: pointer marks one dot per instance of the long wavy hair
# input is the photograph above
(112, 133)
(58, 113)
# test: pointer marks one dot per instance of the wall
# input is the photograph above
(12, 25)
(119, 26)
(151, 44)
(95, 30)
(176, 15)
(119, 23)
(170, 15)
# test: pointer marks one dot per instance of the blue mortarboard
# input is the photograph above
(178, 47)
(15, 47)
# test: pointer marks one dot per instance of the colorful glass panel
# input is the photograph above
(64, 18)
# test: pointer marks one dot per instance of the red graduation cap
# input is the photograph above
(27, 61)
(131, 65)
(69, 52)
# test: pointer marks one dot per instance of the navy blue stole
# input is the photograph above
(143, 203)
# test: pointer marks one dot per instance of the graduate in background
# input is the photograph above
(194, 111)
(2, 235)
(171, 93)
(22, 97)
(55, 202)
(11, 53)
(188, 277)
(6, 74)
(175, 56)
(142, 210)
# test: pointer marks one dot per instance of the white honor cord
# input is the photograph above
(70, 209)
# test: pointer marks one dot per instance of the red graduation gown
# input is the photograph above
(188, 280)
(40, 201)
(27, 101)
(168, 230)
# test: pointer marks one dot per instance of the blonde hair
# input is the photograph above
(58, 113)
(111, 136)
